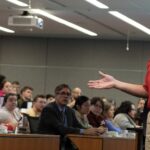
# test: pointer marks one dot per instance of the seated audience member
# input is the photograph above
(25, 97)
(58, 118)
(7, 88)
(125, 115)
(39, 102)
(76, 92)
(9, 106)
(50, 98)
(139, 113)
(109, 110)
(16, 87)
(95, 116)
(141, 103)
(82, 107)
(2, 80)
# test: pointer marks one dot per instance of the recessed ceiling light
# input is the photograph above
(97, 4)
(6, 30)
(19, 3)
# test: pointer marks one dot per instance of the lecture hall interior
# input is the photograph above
(74, 74)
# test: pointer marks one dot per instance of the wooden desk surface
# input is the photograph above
(85, 142)
(29, 142)
(119, 144)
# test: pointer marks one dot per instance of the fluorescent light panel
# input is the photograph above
(130, 21)
(97, 4)
(62, 21)
(19, 3)
(6, 30)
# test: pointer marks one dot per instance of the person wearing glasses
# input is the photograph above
(58, 118)
(96, 116)
(125, 115)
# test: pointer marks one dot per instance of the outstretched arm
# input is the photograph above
(108, 82)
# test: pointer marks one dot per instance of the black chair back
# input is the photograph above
(33, 123)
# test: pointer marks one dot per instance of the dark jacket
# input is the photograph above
(51, 121)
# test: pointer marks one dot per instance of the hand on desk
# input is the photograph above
(94, 131)
(137, 126)
(102, 129)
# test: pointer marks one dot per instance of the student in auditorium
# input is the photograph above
(76, 92)
(39, 102)
(96, 116)
(125, 115)
(139, 112)
(82, 107)
(10, 107)
(7, 88)
(25, 97)
(16, 87)
(2, 80)
(109, 110)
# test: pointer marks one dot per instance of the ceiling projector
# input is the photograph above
(26, 21)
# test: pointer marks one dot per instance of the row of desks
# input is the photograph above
(52, 142)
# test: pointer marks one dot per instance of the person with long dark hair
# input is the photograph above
(125, 114)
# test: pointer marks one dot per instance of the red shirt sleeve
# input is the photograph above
(147, 77)
(147, 83)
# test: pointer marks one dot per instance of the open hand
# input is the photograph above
(106, 82)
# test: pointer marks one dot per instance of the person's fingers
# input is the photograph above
(90, 85)
(93, 81)
(101, 73)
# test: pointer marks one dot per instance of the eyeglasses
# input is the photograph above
(64, 93)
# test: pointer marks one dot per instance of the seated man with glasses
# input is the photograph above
(58, 118)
